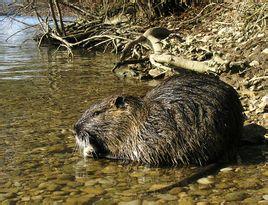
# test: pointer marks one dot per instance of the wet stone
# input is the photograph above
(263, 202)
(43, 185)
(107, 182)
(200, 192)
(17, 184)
(9, 202)
(105, 202)
(37, 198)
(175, 191)
(66, 177)
(226, 169)
(265, 173)
(134, 202)
(110, 169)
(59, 193)
(205, 181)
(265, 197)
(94, 191)
(8, 195)
(235, 196)
(74, 184)
(128, 192)
(53, 187)
(9, 190)
(26, 198)
(202, 203)
(249, 184)
(91, 182)
(249, 201)
(145, 202)
(186, 201)
(167, 197)
(137, 174)
(157, 186)
(224, 185)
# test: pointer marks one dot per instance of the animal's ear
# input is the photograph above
(120, 102)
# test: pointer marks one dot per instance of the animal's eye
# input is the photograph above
(96, 113)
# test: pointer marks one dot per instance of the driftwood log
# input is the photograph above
(164, 62)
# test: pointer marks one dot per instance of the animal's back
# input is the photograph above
(207, 115)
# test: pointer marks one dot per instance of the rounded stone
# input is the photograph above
(17, 184)
(263, 202)
(226, 169)
(81, 200)
(110, 169)
(53, 187)
(235, 196)
(59, 193)
(157, 186)
(186, 201)
(93, 191)
(66, 177)
(167, 197)
(105, 202)
(205, 180)
(265, 173)
(9, 202)
(249, 184)
(37, 198)
(134, 202)
(145, 202)
(26, 198)
(175, 191)
(265, 197)
(202, 203)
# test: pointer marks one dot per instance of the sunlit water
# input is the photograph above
(42, 94)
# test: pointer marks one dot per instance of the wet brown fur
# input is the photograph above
(188, 119)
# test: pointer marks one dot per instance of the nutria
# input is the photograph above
(188, 119)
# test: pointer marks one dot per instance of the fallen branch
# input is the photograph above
(181, 63)
(163, 61)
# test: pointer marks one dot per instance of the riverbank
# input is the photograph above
(230, 37)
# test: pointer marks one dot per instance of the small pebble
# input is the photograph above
(202, 203)
(265, 197)
(226, 169)
(134, 202)
(26, 198)
(205, 180)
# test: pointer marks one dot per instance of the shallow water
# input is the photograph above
(43, 93)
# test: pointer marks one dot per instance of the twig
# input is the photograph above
(258, 78)
(195, 18)
(80, 10)
(19, 32)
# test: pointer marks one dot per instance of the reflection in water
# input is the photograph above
(42, 94)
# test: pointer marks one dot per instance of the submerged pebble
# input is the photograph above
(235, 196)
(134, 202)
(205, 180)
